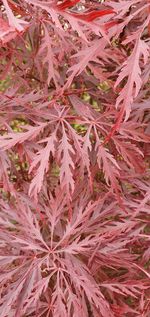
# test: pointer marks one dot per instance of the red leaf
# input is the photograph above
(67, 4)
(91, 16)
(7, 32)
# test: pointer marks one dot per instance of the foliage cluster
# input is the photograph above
(74, 149)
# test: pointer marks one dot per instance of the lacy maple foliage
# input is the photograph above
(74, 158)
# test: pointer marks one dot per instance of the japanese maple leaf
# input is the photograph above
(15, 23)
(41, 161)
(65, 153)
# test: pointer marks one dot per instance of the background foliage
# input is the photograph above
(74, 158)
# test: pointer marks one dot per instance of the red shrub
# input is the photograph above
(74, 148)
